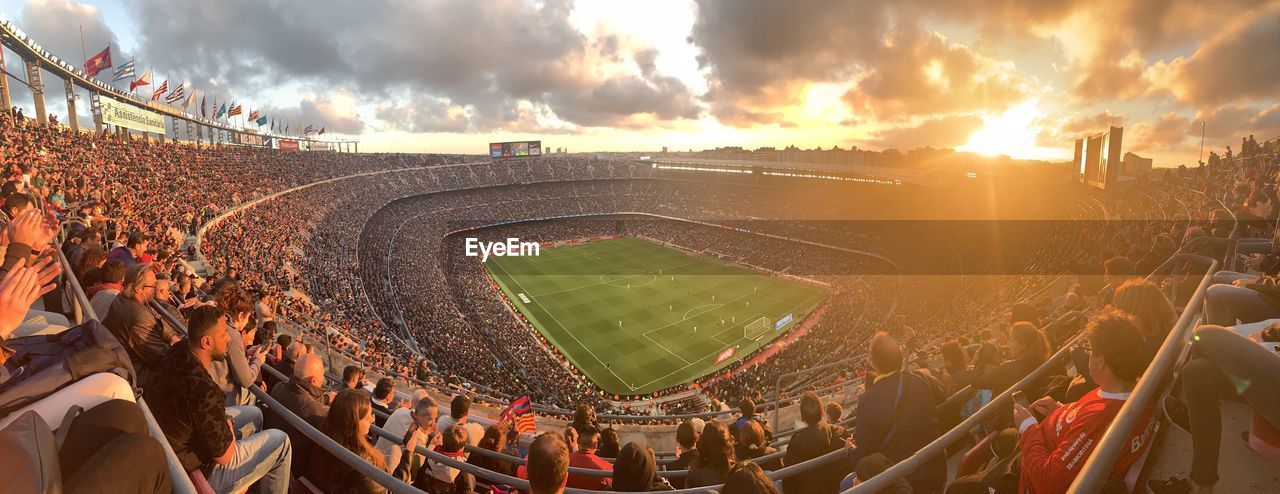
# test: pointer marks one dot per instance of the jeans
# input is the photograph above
(1229, 366)
(262, 457)
(1224, 305)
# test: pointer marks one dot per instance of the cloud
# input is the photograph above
(924, 74)
(945, 132)
(487, 57)
(1241, 62)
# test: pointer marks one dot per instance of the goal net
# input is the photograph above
(755, 329)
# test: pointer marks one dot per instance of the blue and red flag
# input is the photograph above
(520, 414)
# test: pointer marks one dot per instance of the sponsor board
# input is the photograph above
(726, 354)
(782, 321)
(249, 139)
(131, 117)
(288, 145)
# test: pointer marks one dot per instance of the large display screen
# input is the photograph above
(515, 149)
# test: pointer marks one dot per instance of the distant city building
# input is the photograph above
(1136, 166)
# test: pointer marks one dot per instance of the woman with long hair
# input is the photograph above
(715, 456)
(748, 478)
(751, 444)
(1145, 301)
(350, 416)
(495, 439)
(1029, 349)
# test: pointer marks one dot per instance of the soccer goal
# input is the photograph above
(755, 329)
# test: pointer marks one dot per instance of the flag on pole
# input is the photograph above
(124, 72)
(309, 130)
(202, 108)
(235, 110)
(273, 124)
(177, 94)
(142, 81)
(321, 131)
(261, 120)
(191, 98)
(221, 111)
(519, 414)
(160, 90)
(253, 115)
(98, 62)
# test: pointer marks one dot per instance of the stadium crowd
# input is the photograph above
(129, 205)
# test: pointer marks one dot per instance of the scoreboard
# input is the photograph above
(515, 149)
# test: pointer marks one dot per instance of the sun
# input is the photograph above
(1012, 134)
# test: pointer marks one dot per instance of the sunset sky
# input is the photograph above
(1004, 77)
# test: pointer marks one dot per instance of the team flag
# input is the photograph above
(519, 414)
(124, 72)
(99, 62)
(177, 94)
(235, 110)
(261, 120)
(142, 81)
(221, 111)
(160, 90)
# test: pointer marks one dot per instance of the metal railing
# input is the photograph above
(1005, 399)
(83, 312)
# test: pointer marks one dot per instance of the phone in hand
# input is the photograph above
(1021, 399)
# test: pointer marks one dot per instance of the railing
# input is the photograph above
(1004, 400)
(1097, 469)
(83, 311)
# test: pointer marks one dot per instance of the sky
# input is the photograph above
(1023, 79)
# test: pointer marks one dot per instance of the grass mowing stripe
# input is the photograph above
(637, 338)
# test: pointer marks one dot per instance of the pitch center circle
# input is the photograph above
(628, 277)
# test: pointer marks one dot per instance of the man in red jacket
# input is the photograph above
(1054, 449)
(585, 457)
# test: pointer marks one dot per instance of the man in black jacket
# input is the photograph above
(896, 415)
(814, 440)
(686, 439)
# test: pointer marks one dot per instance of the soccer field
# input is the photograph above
(624, 310)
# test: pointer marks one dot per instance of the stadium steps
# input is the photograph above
(1240, 469)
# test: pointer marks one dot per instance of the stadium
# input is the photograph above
(195, 302)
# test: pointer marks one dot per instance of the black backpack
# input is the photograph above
(43, 364)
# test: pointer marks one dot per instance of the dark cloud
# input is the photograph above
(944, 132)
(1240, 63)
(485, 56)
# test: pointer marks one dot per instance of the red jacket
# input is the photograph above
(588, 459)
(1054, 450)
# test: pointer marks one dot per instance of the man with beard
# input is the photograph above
(188, 405)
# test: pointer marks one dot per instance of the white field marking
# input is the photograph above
(660, 345)
(717, 337)
(565, 328)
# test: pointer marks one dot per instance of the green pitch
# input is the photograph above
(624, 310)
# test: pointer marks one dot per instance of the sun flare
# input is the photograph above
(1012, 134)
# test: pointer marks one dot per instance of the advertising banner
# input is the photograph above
(249, 139)
(131, 117)
(288, 145)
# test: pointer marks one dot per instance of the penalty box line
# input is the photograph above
(717, 337)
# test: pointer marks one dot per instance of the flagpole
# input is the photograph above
(83, 52)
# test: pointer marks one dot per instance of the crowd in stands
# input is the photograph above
(129, 206)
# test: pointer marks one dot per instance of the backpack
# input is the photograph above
(43, 364)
